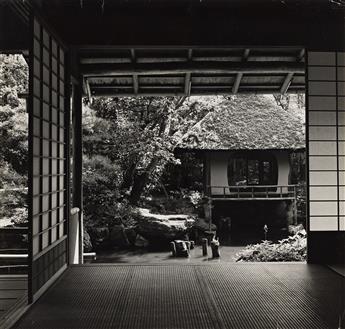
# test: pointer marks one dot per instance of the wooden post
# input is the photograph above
(210, 212)
(204, 246)
(74, 236)
(78, 161)
(295, 206)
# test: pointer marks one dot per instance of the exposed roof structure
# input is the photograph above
(247, 123)
(192, 71)
(184, 47)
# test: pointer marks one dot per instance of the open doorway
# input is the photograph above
(13, 183)
(156, 142)
(160, 169)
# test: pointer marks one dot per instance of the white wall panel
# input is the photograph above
(326, 133)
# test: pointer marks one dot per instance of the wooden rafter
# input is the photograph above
(188, 83)
(286, 84)
(193, 68)
(135, 76)
(108, 92)
(239, 76)
(288, 79)
(181, 71)
(88, 90)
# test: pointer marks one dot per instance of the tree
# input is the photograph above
(13, 138)
(13, 117)
(140, 134)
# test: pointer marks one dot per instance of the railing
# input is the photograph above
(13, 260)
(253, 192)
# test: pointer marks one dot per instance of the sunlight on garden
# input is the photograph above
(163, 176)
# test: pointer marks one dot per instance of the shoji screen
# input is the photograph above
(326, 134)
(49, 120)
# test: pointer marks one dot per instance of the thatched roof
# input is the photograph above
(247, 123)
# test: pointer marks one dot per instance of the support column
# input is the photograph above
(326, 156)
(78, 161)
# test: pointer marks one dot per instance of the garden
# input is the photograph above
(139, 191)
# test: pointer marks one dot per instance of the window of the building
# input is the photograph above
(252, 169)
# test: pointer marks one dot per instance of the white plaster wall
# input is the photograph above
(283, 167)
(219, 169)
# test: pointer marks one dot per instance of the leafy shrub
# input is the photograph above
(293, 248)
(13, 207)
(100, 190)
(103, 203)
(169, 206)
(301, 202)
(195, 198)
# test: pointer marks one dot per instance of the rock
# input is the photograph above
(118, 237)
(140, 241)
(87, 241)
(181, 249)
(202, 225)
(131, 235)
(99, 237)
(162, 229)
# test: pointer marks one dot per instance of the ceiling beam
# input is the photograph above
(110, 92)
(187, 81)
(288, 79)
(135, 76)
(193, 68)
(239, 76)
(301, 55)
(114, 59)
(286, 84)
(237, 83)
(88, 90)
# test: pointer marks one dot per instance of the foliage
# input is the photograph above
(294, 248)
(100, 184)
(13, 118)
(175, 204)
(137, 138)
(140, 134)
(13, 207)
(302, 202)
(186, 174)
(13, 139)
(195, 198)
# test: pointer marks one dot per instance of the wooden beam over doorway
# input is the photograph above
(192, 68)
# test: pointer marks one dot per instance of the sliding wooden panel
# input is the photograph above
(48, 130)
(326, 110)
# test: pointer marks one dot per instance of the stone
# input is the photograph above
(87, 241)
(99, 237)
(140, 242)
(215, 248)
(162, 229)
(202, 225)
(181, 249)
(118, 237)
(131, 234)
